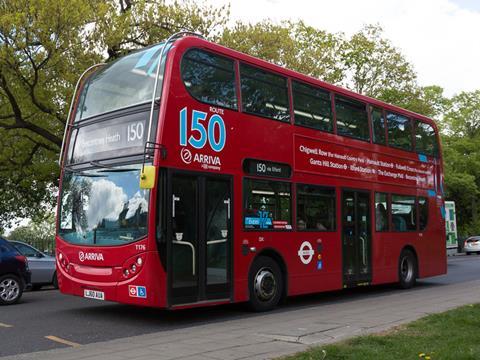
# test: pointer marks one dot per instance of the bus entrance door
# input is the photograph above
(200, 234)
(356, 238)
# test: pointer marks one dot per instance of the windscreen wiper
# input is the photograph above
(98, 165)
(108, 168)
(69, 169)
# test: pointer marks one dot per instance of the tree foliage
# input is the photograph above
(39, 232)
(44, 47)
(373, 64)
(461, 142)
(294, 45)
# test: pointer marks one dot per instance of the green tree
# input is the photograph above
(461, 142)
(44, 46)
(39, 232)
(294, 45)
(428, 100)
(463, 118)
(373, 64)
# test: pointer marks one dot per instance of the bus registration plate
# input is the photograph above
(92, 294)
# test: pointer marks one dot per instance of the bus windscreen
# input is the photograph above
(126, 82)
(103, 206)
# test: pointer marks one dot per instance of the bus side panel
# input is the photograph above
(384, 263)
(323, 272)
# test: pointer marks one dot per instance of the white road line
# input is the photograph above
(62, 341)
(5, 325)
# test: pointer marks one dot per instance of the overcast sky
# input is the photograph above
(441, 38)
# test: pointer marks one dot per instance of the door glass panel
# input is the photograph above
(185, 232)
(363, 215)
(217, 230)
(356, 238)
(349, 233)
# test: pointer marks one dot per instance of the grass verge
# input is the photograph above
(454, 334)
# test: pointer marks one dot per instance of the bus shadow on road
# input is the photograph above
(147, 320)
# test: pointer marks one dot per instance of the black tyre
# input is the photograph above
(265, 284)
(11, 289)
(36, 287)
(468, 253)
(55, 280)
(407, 269)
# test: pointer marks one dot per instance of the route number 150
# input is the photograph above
(202, 131)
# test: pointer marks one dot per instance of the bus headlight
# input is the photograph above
(132, 266)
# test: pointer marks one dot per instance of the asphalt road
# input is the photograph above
(24, 327)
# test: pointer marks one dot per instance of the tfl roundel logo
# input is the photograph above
(186, 155)
(305, 253)
(137, 291)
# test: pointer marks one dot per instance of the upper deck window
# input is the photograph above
(378, 126)
(399, 131)
(210, 78)
(312, 107)
(126, 82)
(264, 93)
(352, 118)
(425, 139)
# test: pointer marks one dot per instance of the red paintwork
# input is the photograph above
(253, 137)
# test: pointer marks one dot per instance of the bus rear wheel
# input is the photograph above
(407, 269)
(265, 284)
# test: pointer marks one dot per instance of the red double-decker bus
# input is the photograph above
(193, 174)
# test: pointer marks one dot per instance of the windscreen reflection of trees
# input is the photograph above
(210, 78)
(98, 211)
(264, 94)
(126, 82)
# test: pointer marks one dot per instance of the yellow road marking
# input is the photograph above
(62, 341)
(5, 325)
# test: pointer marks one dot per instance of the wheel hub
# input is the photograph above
(265, 284)
(9, 289)
(406, 268)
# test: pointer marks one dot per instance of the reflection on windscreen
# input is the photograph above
(103, 207)
(126, 82)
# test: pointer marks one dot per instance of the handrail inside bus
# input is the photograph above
(190, 245)
(71, 108)
(171, 38)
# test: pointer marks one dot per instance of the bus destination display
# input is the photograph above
(267, 168)
(108, 139)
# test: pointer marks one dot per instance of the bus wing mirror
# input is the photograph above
(147, 177)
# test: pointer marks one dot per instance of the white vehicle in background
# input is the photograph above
(472, 245)
(41, 265)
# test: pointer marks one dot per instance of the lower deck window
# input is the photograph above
(422, 212)
(404, 214)
(267, 205)
(315, 208)
(381, 212)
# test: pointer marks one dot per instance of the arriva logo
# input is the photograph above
(186, 156)
(90, 256)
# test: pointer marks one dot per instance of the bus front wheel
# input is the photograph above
(407, 269)
(265, 284)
